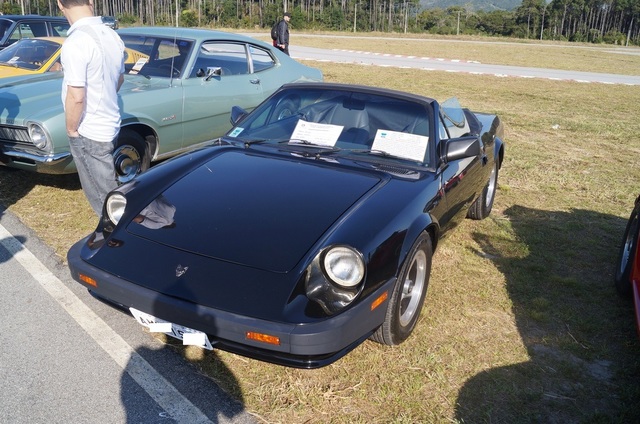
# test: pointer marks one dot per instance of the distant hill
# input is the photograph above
(486, 5)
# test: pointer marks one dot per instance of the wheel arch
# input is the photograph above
(148, 134)
(426, 223)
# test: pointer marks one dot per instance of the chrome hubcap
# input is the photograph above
(412, 288)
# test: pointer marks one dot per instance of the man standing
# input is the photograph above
(282, 42)
(93, 64)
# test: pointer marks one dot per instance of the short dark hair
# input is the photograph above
(287, 14)
(72, 3)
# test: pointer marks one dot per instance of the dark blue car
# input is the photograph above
(307, 229)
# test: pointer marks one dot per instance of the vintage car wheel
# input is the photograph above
(408, 294)
(481, 208)
(627, 253)
(130, 156)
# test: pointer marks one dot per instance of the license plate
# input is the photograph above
(189, 336)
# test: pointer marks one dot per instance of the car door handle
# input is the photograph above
(255, 81)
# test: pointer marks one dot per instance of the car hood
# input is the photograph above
(257, 210)
(38, 97)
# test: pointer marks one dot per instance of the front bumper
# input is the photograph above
(302, 345)
(59, 163)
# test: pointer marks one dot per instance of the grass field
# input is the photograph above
(521, 322)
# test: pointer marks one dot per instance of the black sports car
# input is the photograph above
(305, 230)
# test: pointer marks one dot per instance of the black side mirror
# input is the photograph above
(463, 147)
(237, 114)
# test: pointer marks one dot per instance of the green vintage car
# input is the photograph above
(178, 93)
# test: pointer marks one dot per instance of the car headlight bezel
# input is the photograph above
(114, 206)
(324, 279)
(39, 137)
(343, 266)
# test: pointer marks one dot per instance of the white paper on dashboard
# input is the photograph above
(404, 145)
(321, 134)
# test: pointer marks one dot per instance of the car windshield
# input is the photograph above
(156, 56)
(344, 120)
(29, 54)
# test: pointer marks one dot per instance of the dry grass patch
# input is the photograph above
(521, 322)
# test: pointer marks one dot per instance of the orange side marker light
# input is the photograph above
(88, 280)
(380, 300)
(264, 338)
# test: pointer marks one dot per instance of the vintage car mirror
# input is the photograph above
(237, 114)
(212, 71)
(463, 147)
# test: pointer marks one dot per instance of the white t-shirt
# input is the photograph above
(82, 61)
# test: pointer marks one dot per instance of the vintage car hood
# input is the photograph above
(38, 97)
(254, 210)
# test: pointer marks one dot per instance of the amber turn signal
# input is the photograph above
(379, 300)
(88, 280)
(264, 338)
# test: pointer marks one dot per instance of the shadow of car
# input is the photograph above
(309, 227)
(180, 85)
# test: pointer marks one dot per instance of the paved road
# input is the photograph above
(470, 67)
(66, 357)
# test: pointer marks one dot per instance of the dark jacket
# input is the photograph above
(283, 33)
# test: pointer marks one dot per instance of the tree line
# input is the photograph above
(597, 21)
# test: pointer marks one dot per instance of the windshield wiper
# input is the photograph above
(295, 141)
(373, 152)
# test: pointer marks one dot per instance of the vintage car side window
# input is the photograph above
(261, 59)
(59, 30)
(157, 57)
(231, 58)
(29, 30)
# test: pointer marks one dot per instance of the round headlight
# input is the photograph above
(115, 205)
(344, 266)
(39, 137)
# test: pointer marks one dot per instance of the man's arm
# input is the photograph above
(73, 109)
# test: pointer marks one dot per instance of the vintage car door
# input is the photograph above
(462, 180)
(220, 78)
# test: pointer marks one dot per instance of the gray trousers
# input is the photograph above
(94, 161)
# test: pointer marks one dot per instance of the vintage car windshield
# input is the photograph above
(156, 56)
(28, 53)
(342, 120)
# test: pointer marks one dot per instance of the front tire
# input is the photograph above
(481, 208)
(131, 156)
(408, 295)
(627, 253)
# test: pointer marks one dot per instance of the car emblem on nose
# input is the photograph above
(180, 270)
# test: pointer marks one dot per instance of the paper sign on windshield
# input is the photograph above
(321, 134)
(404, 145)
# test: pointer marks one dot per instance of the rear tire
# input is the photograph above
(131, 156)
(481, 208)
(627, 253)
(408, 295)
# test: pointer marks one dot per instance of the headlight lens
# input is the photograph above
(39, 137)
(115, 205)
(344, 266)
